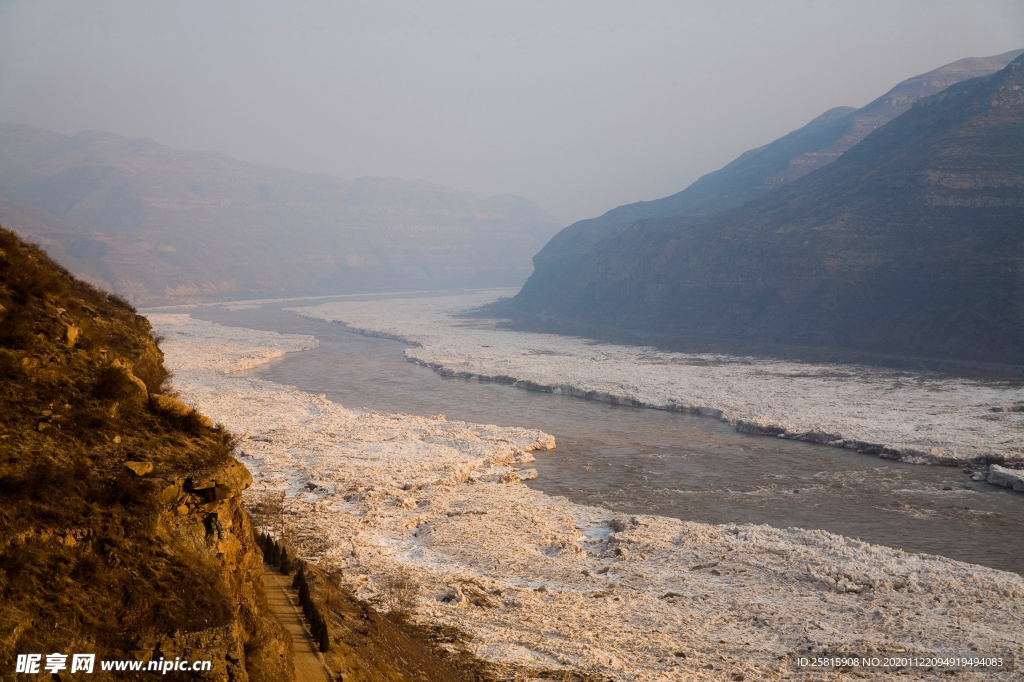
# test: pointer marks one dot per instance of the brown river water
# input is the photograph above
(637, 460)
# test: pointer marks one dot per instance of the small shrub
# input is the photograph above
(325, 641)
(152, 372)
(111, 383)
(226, 441)
(86, 568)
(263, 542)
(285, 563)
(10, 368)
(121, 302)
(399, 593)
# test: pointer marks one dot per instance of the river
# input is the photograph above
(638, 460)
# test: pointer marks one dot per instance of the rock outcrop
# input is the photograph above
(122, 531)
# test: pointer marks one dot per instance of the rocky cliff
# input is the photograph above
(159, 225)
(909, 244)
(122, 531)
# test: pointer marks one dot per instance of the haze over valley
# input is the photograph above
(476, 342)
(159, 225)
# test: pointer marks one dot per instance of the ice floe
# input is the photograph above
(1008, 478)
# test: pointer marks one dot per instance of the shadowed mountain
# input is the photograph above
(169, 225)
(911, 243)
(762, 170)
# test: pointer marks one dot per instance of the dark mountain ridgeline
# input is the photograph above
(760, 171)
(177, 226)
(911, 243)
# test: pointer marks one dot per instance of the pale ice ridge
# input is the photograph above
(226, 349)
(541, 583)
(901, 415)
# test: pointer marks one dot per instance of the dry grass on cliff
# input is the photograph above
(84, 561)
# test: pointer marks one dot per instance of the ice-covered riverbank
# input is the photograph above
(913, 417)
(542, 583)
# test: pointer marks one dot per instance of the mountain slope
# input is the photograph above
(762, 170)
(122, 531)
(185, 225)
(911, 243)
(103, 260)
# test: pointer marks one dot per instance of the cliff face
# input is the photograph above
(121, 526)
(158, 224)
(761, 171)
(908, 244)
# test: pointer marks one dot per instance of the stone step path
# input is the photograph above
(309, 666)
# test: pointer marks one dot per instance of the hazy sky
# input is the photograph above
(579, 106)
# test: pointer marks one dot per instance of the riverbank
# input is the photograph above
(912, 417)
(541, 583)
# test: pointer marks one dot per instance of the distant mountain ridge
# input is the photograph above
(161, 225)
(911, 243)
(764, 169)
